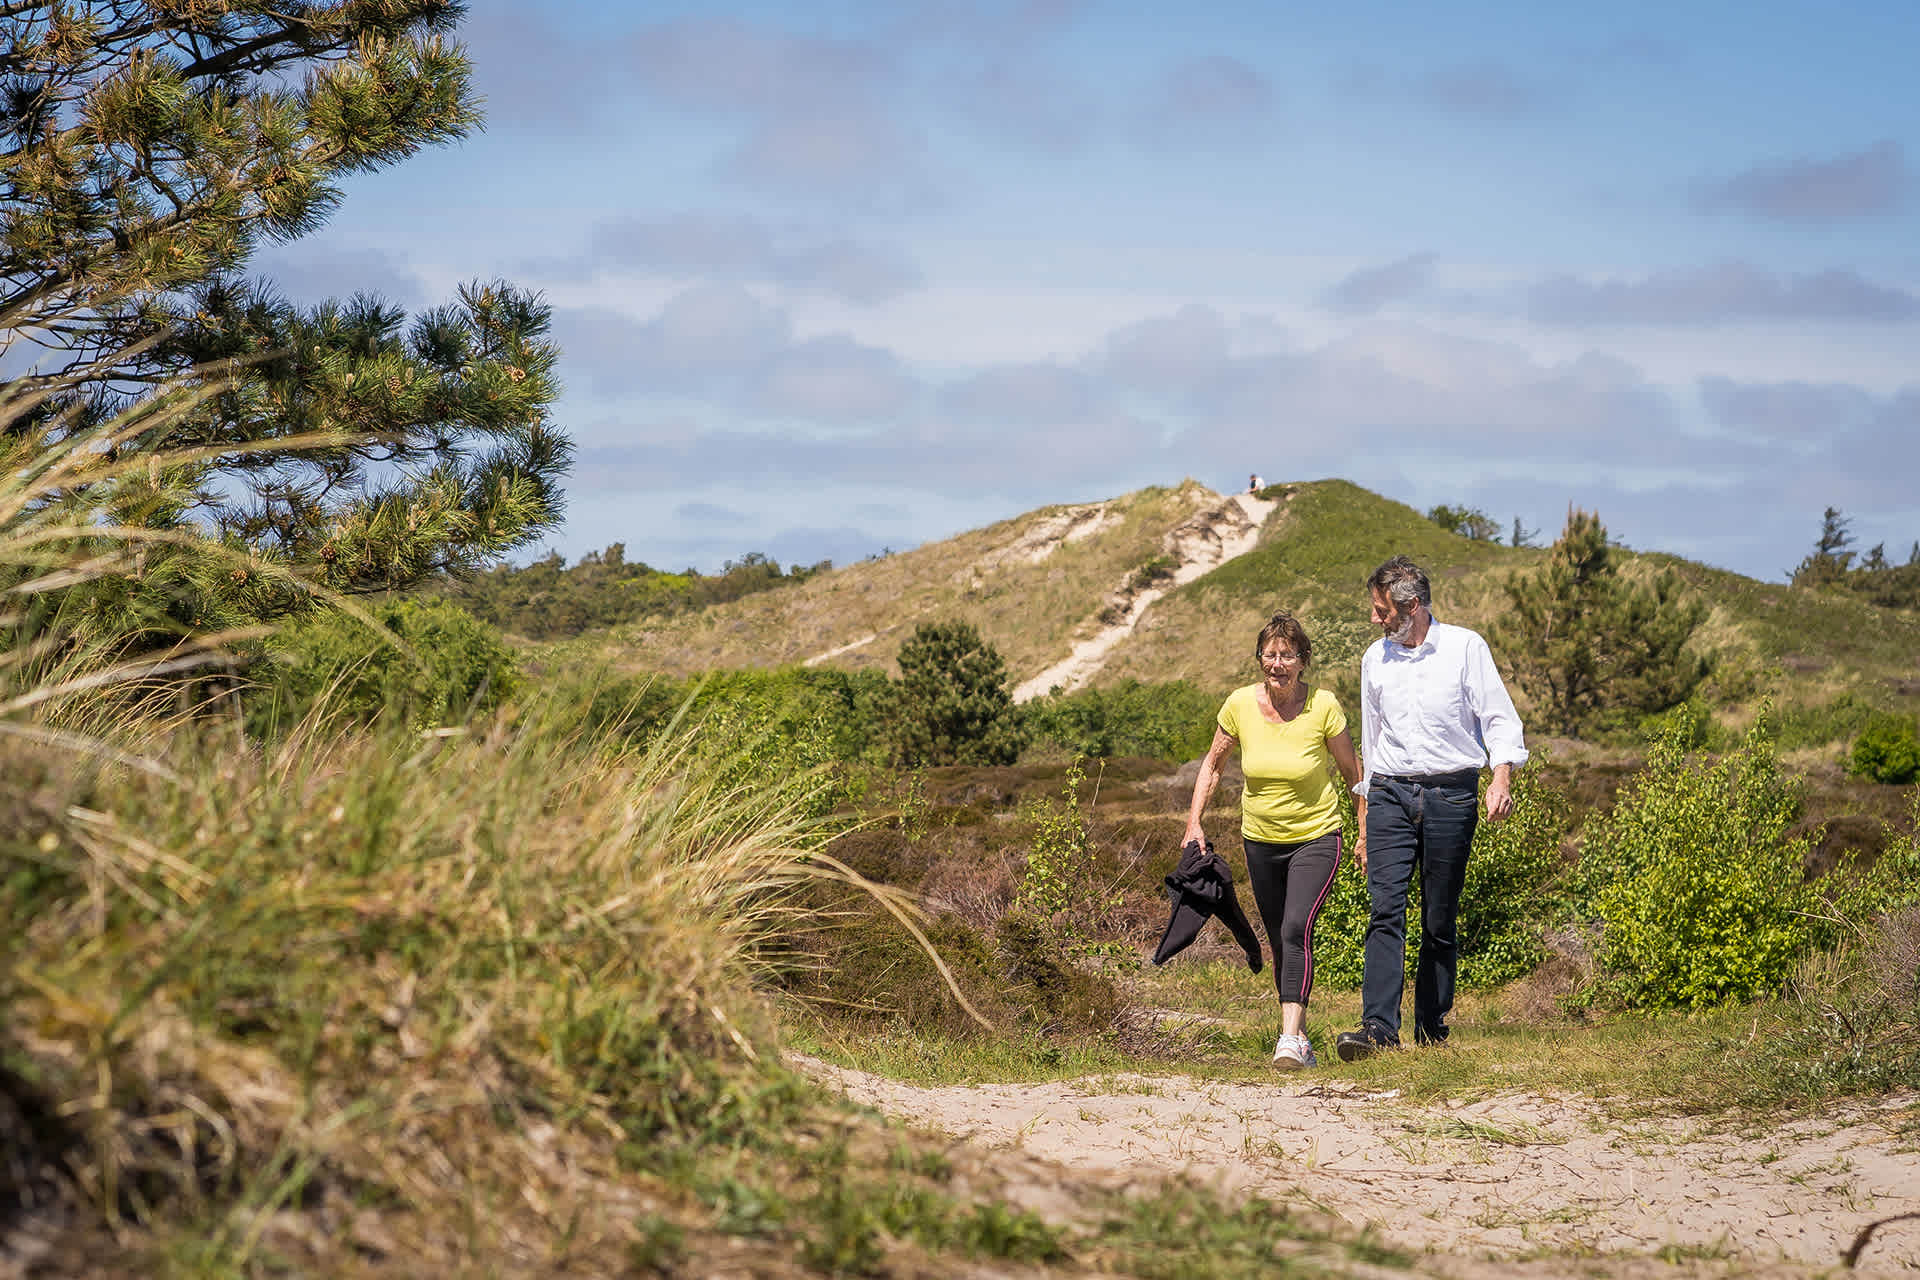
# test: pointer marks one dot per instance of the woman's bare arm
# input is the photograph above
(1223, 742)
(1340, 747)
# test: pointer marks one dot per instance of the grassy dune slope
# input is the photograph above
(1314, 559)
(1802, 648)
(1031, 610)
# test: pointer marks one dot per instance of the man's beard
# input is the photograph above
(1402, 635)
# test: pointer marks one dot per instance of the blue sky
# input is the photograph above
(832, 278)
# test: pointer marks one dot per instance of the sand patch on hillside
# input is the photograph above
(1197, 545)
(1046, 535)
(1500, 1178)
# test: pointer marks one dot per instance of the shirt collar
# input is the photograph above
(1401, 653)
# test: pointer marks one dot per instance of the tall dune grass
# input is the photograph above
(431, 978)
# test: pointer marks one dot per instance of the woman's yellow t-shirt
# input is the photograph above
(1290, 793)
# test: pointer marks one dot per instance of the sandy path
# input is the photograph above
(1198, 545)
(1503, 1177)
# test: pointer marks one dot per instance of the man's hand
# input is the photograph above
(1360, 851)
(1500, 793)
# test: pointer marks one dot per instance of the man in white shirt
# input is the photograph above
(1433, 712)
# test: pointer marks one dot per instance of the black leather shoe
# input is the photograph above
(1351, 1046)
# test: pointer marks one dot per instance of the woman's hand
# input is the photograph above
(1196, 834)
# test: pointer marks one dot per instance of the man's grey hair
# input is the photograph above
(1403, 581)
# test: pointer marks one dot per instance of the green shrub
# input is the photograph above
(1692, 718)
(1062, 885)
(837, 710)
(452, 665)
(547, 599)
(951, 705)
(1833, 721)
(1058, 992)
(1507, 900)
(1340, 930)
(1171, 721)
(1857, 1034)
(1698, 878)
(1887, 750)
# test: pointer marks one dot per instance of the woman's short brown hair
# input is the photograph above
(1284, 625)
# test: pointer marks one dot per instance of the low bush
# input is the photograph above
(437, 665)
(1854, 1030)
(1171, 721)
(824, 713)
(1697, 877)
(1887, 750)
(1836, 720)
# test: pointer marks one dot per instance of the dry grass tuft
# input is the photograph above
(368, 966)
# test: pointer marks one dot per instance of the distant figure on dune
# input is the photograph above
(1286, 734)
(1255, 484)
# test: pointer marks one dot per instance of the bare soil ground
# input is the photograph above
(1503, 1186)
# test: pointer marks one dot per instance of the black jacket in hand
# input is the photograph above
(1202, 886)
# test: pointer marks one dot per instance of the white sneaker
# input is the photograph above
(1292, 1053)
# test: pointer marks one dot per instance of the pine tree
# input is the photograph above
(951, 705)
(1589, 648)
(146, 148)
(1831, 558)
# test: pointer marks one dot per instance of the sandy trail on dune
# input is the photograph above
(1196, 546)
(1503, 1177)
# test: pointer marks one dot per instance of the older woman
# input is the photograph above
(1288, 734)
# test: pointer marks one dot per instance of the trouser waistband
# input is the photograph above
(1459, 777)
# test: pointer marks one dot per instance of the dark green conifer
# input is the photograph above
(1591, 649)
(1832, 557)
(951, 705)
(146, 148)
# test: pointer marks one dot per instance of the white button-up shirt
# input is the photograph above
(1436, 708)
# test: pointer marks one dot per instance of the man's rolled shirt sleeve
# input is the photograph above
(1500, 729)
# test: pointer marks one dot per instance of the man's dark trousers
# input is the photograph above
(1426, 823)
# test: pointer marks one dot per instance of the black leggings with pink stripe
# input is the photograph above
(1291, 883)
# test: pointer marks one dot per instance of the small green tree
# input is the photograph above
(1468, 522)
(1831, 558)
(951, 705)
(1590, 649)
